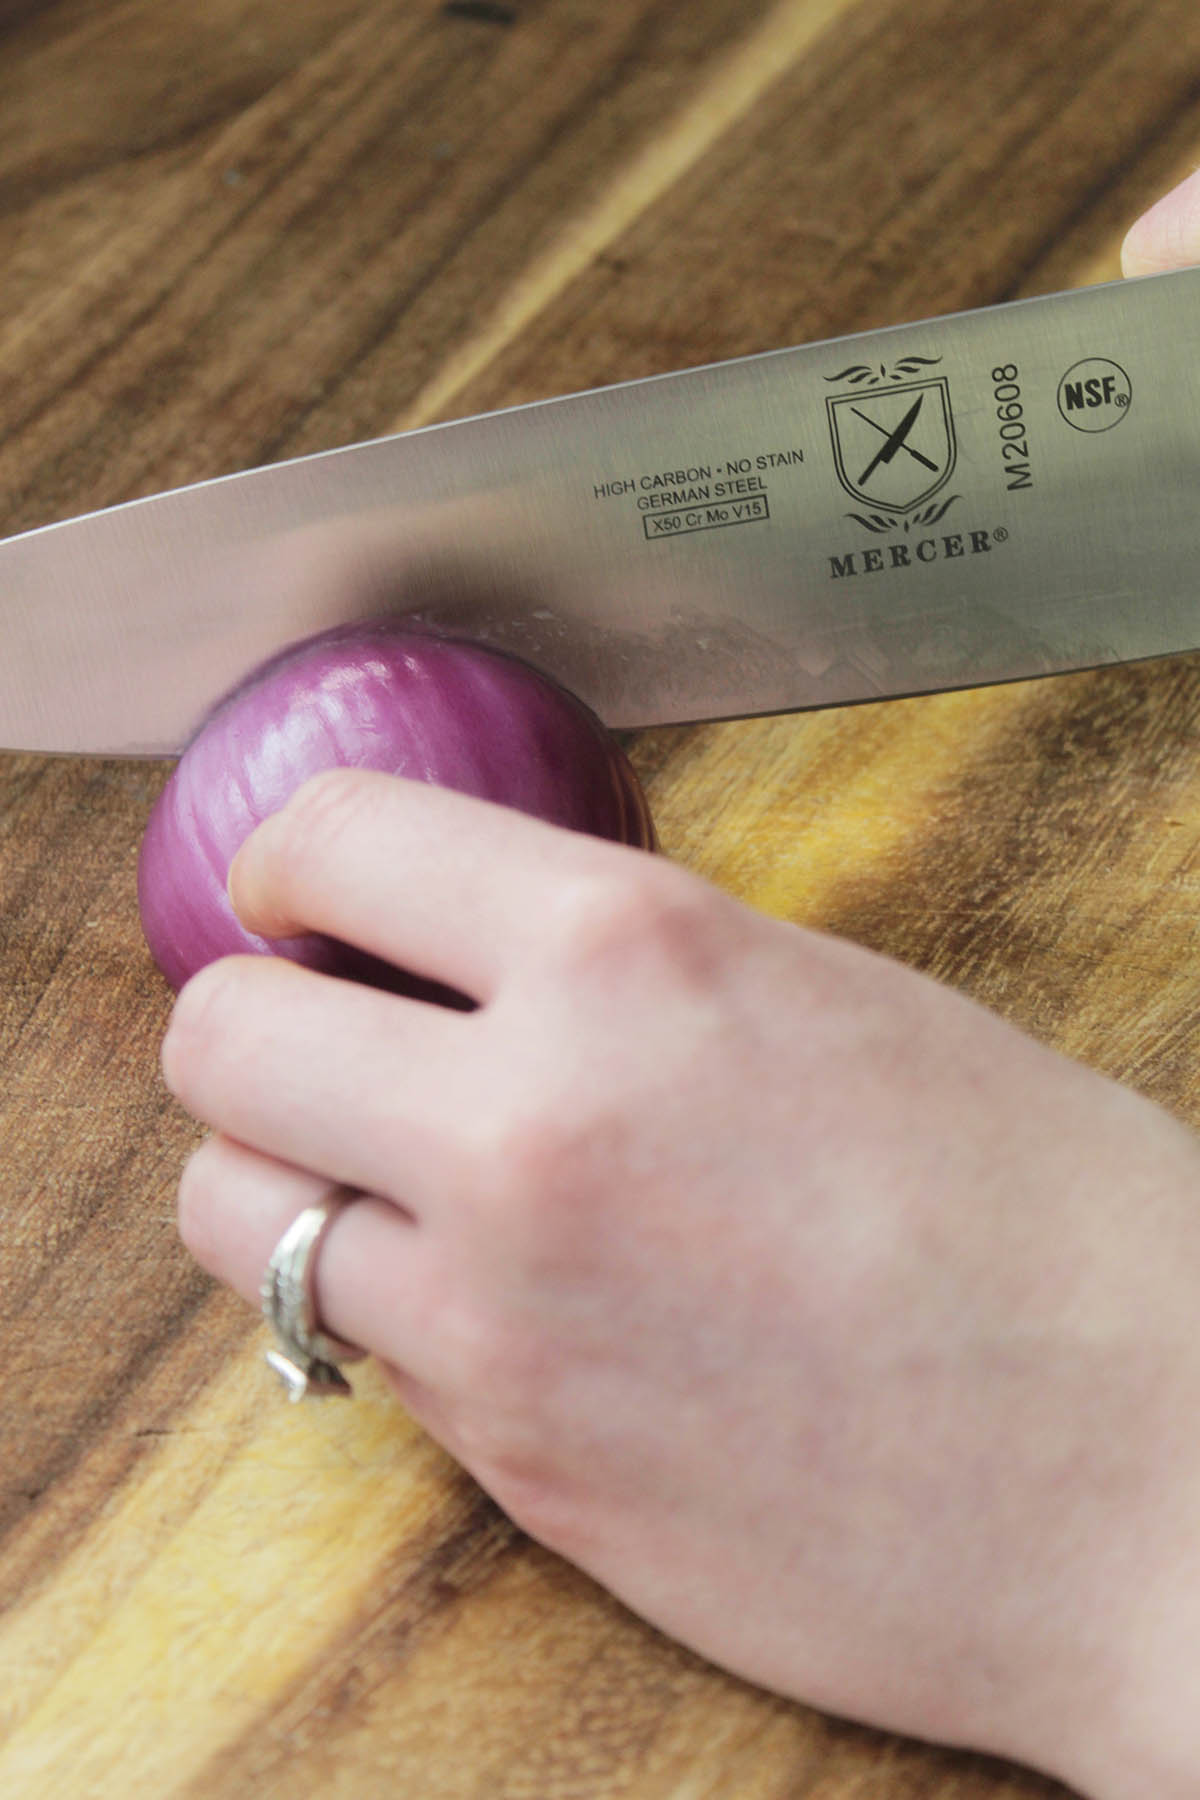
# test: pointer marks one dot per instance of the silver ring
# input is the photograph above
(307, 1361)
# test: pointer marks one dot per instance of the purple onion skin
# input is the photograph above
(377, 695)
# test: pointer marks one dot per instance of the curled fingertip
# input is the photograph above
(259, 872)
(249, 886)
(1167, 236)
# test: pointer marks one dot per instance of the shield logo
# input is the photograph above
(894, 447)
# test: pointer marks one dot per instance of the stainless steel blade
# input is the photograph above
(977, 498)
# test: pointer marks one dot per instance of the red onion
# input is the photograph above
(380, 695)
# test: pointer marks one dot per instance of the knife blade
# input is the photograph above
(975, 498)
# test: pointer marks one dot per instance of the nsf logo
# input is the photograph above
(1094, 395)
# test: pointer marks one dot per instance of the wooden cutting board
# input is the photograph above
(236, 232)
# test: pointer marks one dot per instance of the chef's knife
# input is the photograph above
(993, 495)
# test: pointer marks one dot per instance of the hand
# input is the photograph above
(849, 1336)
(845, 1333)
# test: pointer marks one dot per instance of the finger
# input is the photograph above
(1167, 236)
(226, 1237)
(444, 885)
(365, 1088)
(374, 1278)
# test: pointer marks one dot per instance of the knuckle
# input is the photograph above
(329, 803)
(511, 1443)
(539, 1178)
(533, 1148)
(520, 1448)
(533, 1494)
(654, 914)
(500, 1357)
(317, 817)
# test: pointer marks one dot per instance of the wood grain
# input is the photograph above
(241, 232)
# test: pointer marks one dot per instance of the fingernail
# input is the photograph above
(252, 882)
(235, 880)
(243, 884)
